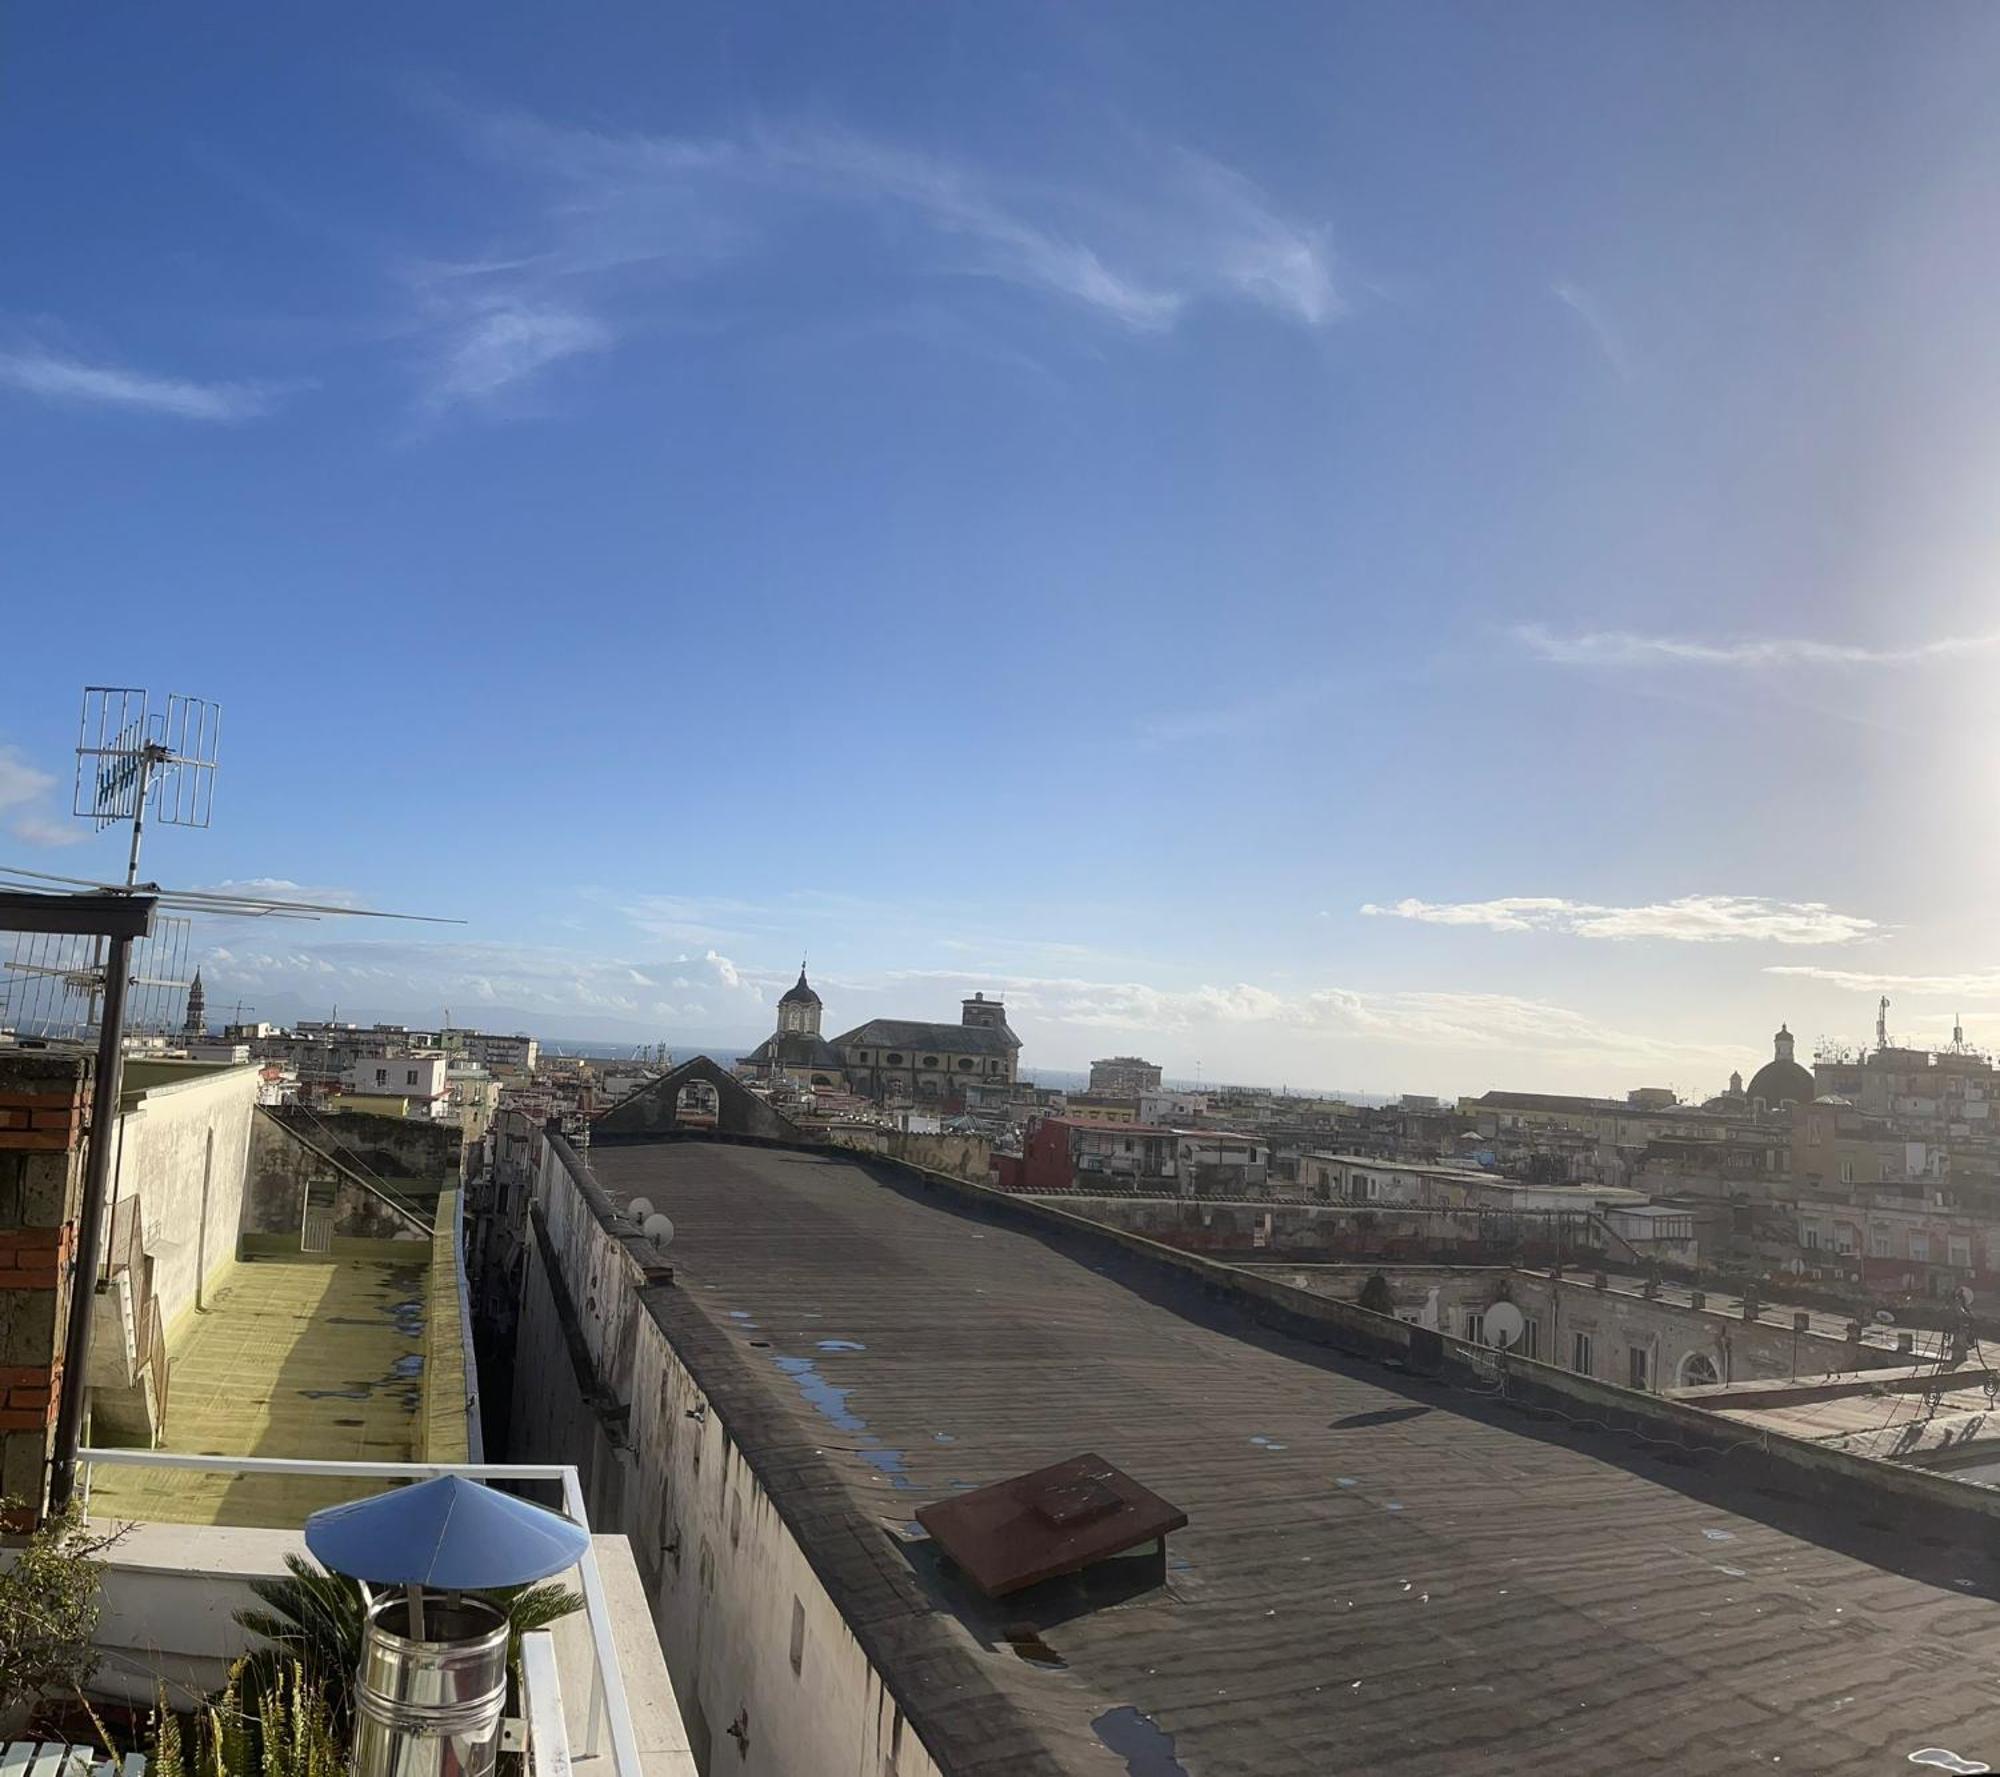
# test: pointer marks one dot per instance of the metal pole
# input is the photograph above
(90, 1225)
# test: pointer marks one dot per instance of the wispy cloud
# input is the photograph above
(1414, 1019)
(22, 785)
(51, 376)
(1971, 984)
(1620, 648)
(490, 350)
(1692, 919)
(1604, 336)
(625, 218)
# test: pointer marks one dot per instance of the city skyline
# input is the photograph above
(1381, 580)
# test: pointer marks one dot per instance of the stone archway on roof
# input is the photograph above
(667, 1107)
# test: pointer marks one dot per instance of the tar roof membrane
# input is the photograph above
(1379, 1573)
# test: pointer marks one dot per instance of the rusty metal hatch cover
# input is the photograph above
(1056, 1520)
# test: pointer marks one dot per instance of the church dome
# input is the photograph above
(1781, 1080)
(801, 995)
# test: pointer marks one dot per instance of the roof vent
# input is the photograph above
(1057, 1520)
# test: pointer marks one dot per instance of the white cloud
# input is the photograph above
(19, 781)
(1616, 648)
(1417, 1019)
(490, 347)
(1692, 919)
(21, 786)
(40, 830)
(1971, 984)
(1603, 335)
(626, 220)
(50, 376)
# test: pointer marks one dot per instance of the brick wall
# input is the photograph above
(44, 1115)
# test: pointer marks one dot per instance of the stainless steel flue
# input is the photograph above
(429, 1704)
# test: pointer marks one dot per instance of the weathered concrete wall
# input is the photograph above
(282, 1166)
(411, 1154)
(598, 1383)
(1672, 1334)
(1337, 1232)
(450, 1384)
(963, 1156)
(182, 1151)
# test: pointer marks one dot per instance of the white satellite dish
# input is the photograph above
(1883, 1316)
(659, 1229)
(1503, 1325)
(639, 1208)
(1963, 1296)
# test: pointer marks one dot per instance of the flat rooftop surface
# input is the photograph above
(291, 1357)
(1380, 1574)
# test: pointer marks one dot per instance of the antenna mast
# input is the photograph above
(1882, 1023)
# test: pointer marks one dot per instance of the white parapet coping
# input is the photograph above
(172, 1591)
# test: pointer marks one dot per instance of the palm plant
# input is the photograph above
(315, 1618)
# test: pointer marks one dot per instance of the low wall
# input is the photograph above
(450, 1386)
(963, 1156)
(1407, 1234)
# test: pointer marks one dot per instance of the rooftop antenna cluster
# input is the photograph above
(75, 958)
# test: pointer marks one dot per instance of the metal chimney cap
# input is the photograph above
(449, 1533)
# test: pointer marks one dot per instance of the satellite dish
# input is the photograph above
(639, 1208)
(1885, 1317)
(1963, 1296)
(659, 1229)
(1504, 1325)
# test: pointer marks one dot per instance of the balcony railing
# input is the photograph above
(610, 1710)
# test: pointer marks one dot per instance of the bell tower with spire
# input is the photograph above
(196, 1023)
(799, 1010)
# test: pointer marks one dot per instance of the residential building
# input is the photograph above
(417, 1078)
(1123, 1076)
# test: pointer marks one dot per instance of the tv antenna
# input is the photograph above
(132, 759)
(1882, 1023)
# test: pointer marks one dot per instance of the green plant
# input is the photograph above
(48, 1611)
(286, 1730)
(314, 1619)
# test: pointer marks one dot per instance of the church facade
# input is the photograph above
(892, 1060)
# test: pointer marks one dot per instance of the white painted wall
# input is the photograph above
(181, 1151)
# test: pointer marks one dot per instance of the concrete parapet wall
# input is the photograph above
(443, 1421)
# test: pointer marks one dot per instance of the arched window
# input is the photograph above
(1698, 1371)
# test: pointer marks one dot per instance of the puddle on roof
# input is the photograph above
(413, 1365)
(831, 1402)
(1941, 1760)
(891, 1463)
(942, 1437)
(1146, 1748)
(1267, 1443)
(336, 1394)
(841, 1345)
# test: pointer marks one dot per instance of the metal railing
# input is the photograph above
(609, 1707)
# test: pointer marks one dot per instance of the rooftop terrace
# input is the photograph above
(1379, 1572)
(290, 1356)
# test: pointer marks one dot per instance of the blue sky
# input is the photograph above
(1411, 546)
